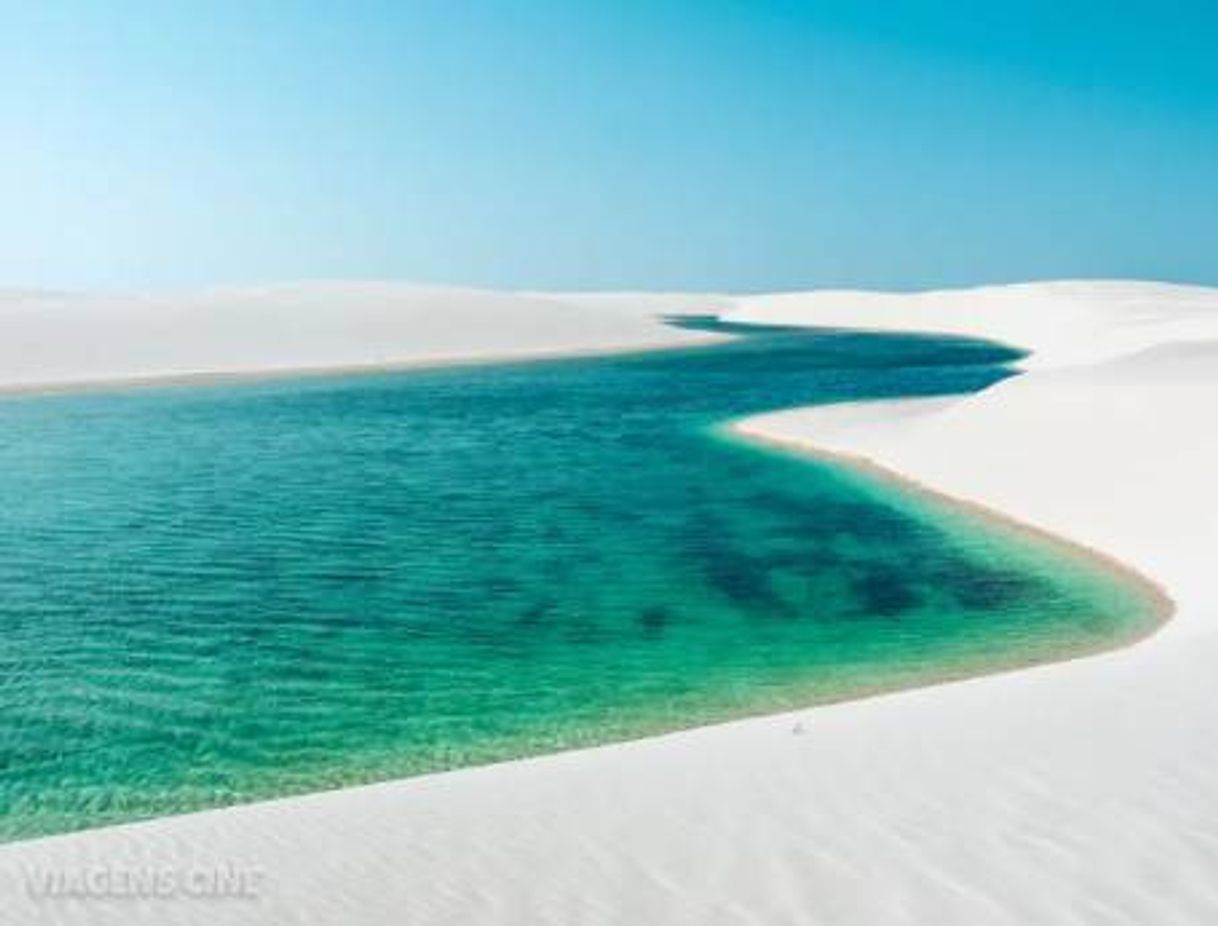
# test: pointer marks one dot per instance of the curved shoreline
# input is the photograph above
(792, 694)
(936, 672)
(1161, 606)
(1073, 794)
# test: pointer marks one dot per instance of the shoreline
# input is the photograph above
(67, 342)
(1154, 610)
(373, 368)
(1064, 793)
(1160, 605)
(949, 668)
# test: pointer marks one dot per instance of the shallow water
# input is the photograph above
(215, 594)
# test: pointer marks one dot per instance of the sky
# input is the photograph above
(728, 145)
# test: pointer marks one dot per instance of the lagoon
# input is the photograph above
(219, 593)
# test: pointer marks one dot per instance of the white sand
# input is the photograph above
(1085, 792)
(53, 338)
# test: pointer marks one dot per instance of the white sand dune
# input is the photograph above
(54, 338)
(1079, 793)
(1063, 322)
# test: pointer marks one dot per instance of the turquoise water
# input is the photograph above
(215, 594)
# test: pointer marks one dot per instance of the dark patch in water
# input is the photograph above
(883, 593)
(535, 613)
(737, 574)
(976, 587)
(654, 620)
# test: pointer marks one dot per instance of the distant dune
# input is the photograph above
(1067, 321)
(56, 338)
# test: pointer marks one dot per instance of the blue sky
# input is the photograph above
(678, 145)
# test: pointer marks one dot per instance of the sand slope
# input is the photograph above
(68, 338)
(1063, 322)
(1080, 793)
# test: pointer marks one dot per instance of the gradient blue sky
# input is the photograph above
(690, 145)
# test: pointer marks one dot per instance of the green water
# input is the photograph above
(216, 594)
